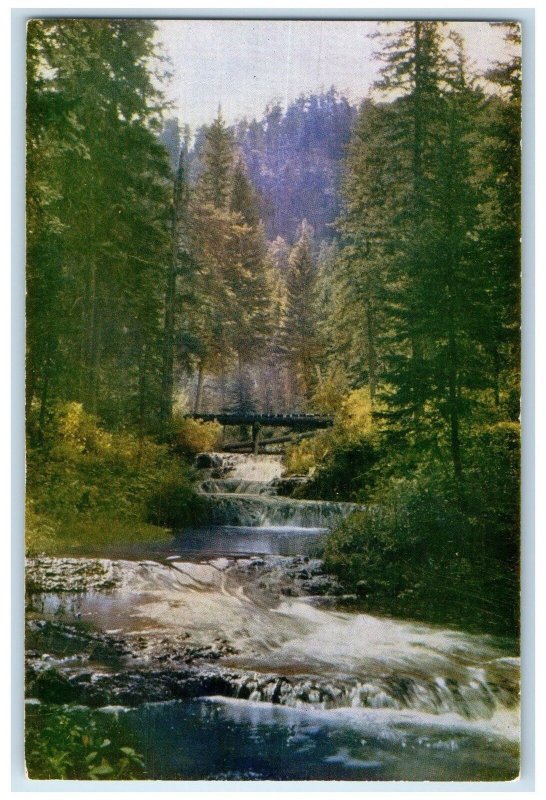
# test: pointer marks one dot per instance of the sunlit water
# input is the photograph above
(321, 693)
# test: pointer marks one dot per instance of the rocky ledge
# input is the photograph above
(52, 574)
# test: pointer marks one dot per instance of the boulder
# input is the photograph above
(208, 461)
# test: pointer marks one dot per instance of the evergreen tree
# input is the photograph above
(456, 296)
(415, 66)
(299, 328)
(230, 248)
(98, 216)
(243, 199)
(411, 259)
(374, 191)
(215, 180)
(181, 261)
(501, 148)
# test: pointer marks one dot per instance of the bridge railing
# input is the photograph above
(301, 421)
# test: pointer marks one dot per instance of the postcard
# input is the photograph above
(273, 400)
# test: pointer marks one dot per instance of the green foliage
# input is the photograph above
(304, 457)
(299, 340)
(97, 220)
(232, 319)
(86, 482)
(70, 744)
(339, 460)
(192, 436)
(492, 491)
(424, 288)
(177, 505)
(421, 551)
(215, 179)
(423, 299)
(347, 474)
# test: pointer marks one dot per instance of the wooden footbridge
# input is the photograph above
(297, 422)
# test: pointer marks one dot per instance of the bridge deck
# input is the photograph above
(295, 421)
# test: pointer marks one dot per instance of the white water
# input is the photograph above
(331, 658)
(259, 469)
(246, 497)
(306, 670)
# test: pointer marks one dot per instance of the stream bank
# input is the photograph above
(225, 635)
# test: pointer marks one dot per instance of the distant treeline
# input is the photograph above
(294, 158)
(151, 268)
(319, 259)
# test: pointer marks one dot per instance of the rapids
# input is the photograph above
(296, 685)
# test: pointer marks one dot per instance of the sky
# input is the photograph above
(243, 65)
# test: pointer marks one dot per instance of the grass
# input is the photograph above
(88, 489)
(86, 535)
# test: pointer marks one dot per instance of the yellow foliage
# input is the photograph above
(79, 431)
(352, 421)
(355, 414)
(40, 530)
(505, 426)
(196, 436)
(330, 392)
(304, 457)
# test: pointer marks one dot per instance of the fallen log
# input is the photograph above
(237, 446)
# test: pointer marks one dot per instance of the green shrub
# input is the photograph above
(417, 554)
(493, 488)
(192, 436)
(341, 451)
(347, 474)
(177, 505)
(87, 486)
(75, 744)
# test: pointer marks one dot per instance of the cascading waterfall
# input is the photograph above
(247, 497)
(236, 486)
(270, 512)
(234, 633)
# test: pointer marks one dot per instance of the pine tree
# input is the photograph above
(456, 296)
(414, 65)
(94, 301)
(249, 281)
(299, 328)
(411, 257)
(180, 258)
(215, 181)
(243, 198)
(501, 149)
(231, 250)
(374, 191)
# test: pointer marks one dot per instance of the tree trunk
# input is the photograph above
(95, 371)
(370, 342)
(199, 391)
(223, 388)
(94, 343)
(454, 408)
(496, 375)
(142, 388)
(167, 377)
(167, 382)
(44, 395)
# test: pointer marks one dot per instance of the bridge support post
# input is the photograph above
(256, 437)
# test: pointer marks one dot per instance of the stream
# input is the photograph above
(228, 653)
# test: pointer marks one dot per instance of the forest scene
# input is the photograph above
(273, 401)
